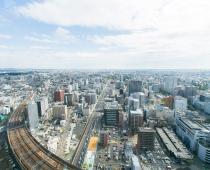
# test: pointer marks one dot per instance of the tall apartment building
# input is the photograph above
(33, 117)
(169, 84)
(104, 137)
(91, 98)
(40, 107)
(135, 86)
(146, 138)
(59, 96)
(111, 114)
(180, 103)
(69, 99)
(135, 119)
(190, 91)
(60, 112)
(140, 96)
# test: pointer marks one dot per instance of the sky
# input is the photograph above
(105, 34)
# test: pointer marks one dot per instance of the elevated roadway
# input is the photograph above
(82, 146)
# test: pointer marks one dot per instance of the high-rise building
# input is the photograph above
(69, 99)
(146, 138)
(135, 86)
(104, 137)
(121, 119)
(190, 91)
(60, 112)
(40, 107)
(133, 104)
(180, 103)
(141, 99)
(140, 96)
(75, 86)
(136, 119)
(33, 117)
(169, 84)
(111, 114)
(91, 98)
(59, 96)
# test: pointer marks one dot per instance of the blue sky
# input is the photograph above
(94, 34)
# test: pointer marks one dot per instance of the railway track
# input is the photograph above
(28, 152)
(80, 146)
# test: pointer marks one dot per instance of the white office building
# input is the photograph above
(140, 96)
(180, 103)
(33, 117)
(191, 133)
(204, 150)
(133, 104)
(207, 107)
(169, 84)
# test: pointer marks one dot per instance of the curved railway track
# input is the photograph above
(28, 152)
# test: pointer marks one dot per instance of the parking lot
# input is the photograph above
(156, 159)
(111, 156)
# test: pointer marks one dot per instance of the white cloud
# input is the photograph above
(5, 37)
(3, 46)
(64, 34)
(37, 47)
(161, 33)
(122, 14)
(38, 39)
(60, 35)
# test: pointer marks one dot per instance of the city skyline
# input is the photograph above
(111, 34)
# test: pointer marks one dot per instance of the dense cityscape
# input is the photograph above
(104, 85)
(120, 119)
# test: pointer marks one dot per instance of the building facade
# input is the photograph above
(111, 114)
(135, 86)
(33, 118)
(146, 138)
(59, 96)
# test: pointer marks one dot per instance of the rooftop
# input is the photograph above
(146, 129)
(138, 111)
(111, 105)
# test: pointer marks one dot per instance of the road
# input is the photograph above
(90, 123)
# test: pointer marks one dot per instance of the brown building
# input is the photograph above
(146, 138)
(168, 101)
(59, 96)
(104, 137)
